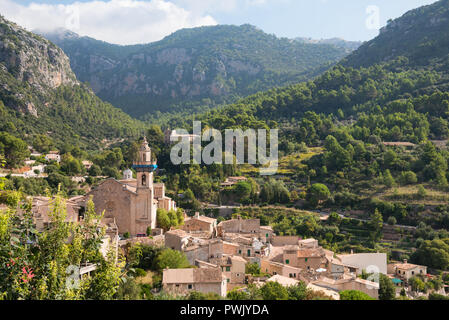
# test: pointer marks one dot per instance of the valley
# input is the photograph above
(362, 174)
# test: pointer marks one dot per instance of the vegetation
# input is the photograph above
(233, 61)
(354, 295)
(36, 265)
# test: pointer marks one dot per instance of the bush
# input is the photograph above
(354, 295)
(139, 272)
(408, 177)
(436, 296)
(392, 220)
(273, 291)
(237, 295)
(171, 259)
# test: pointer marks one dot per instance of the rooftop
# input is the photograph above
(286, 282)
(192, 275)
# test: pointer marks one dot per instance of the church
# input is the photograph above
(131, 204)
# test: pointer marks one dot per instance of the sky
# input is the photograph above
(144, 21)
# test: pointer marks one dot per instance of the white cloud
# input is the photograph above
(213, 6)
(114, 21)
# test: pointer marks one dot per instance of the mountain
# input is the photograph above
(398, 81)
(337, 42)
(193, 67)
(40, 94)
(421, 35)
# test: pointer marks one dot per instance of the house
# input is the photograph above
(176, 239)
(308, 243)
(306, 259)
(239, 225)
(53, 157)
(233, 268)
(276, 268)
(163, 202)
(29, 163)
(171, 136)
(284, 281)
(326, 291)
(197, 248)
(231, 181)
(370, 262)
(399, 144)
(87, 164)
(204, 280)
(41, 210)
(281, 241)
(266, 234)
(249, 228)
(406, 270)
(349, 283)
(199, 223)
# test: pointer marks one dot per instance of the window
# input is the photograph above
(249, 253)
(228, 268)
(306, 259)
(240, 251)
(420, 271)
(144, 180)
(287, 261)
(413, 272)
(189, 286)
(266, 235)
(227, 280)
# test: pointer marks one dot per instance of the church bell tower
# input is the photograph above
(144, 167)
(145, 205)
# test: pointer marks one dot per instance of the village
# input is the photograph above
(219, 252)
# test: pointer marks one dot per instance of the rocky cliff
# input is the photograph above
(199, 66)
(40, 94)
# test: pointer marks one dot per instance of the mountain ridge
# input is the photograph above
(419, 35)
(196, 66)
(39, 94)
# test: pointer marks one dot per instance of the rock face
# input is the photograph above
(216, 63)
(421, 35)
(32, 59)
(40, 94)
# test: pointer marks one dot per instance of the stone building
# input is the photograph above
(370, 262)
(407, 270)
(199, 223)
(245, 227)
(350, 283)
(133, 203)
(204, 280)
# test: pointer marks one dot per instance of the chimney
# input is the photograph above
(405, 261)
(352, 251)
(197, 215)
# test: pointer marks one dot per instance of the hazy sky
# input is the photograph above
(142, 21)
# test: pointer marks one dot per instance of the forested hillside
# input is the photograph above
(421, 35)
(39, 94)
(389, 93)
(193, 69)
